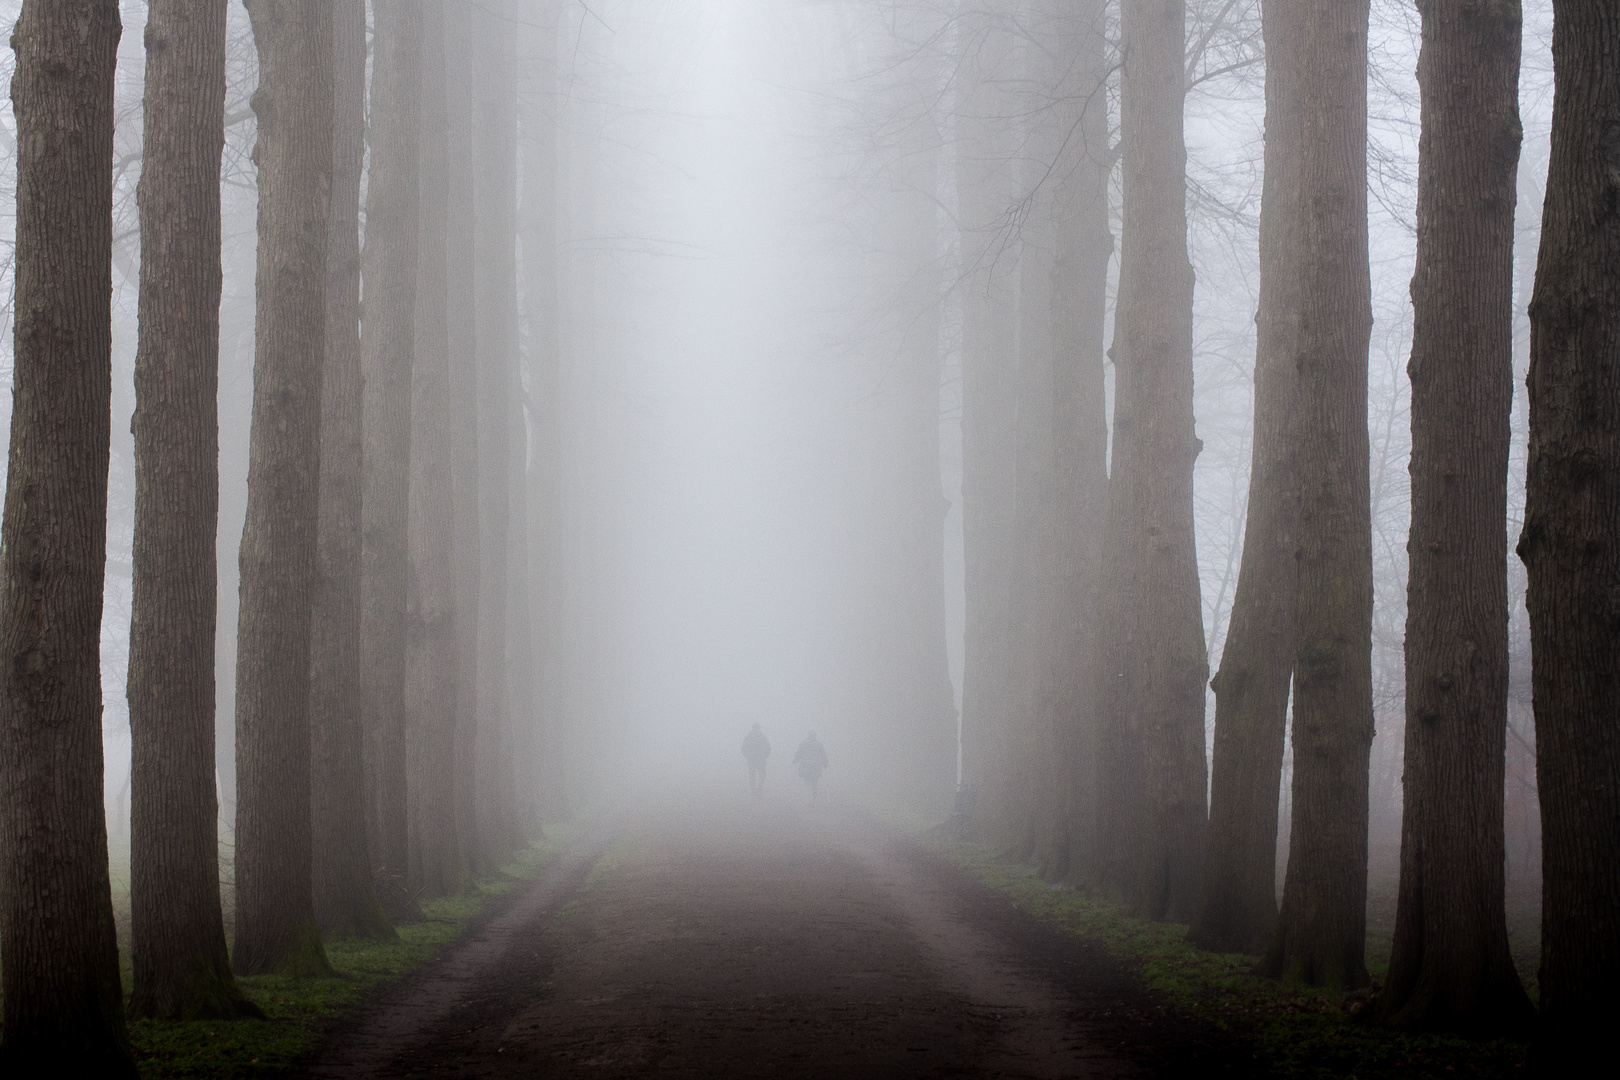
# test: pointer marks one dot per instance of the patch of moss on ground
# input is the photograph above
(1293, 1032)
(301, 1012)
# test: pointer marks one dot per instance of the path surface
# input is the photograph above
(764, 939)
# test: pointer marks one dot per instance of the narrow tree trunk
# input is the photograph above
(64, 1008)
(1322, 925)
(386, 347)
(437, 867)
(1450, 968)
(181, 967)
(1571, 540)
(1237, 907)
(495, 302)
(463, 332)
(346, 903)
(1152, 661)
(1083, 247)
(275, 915)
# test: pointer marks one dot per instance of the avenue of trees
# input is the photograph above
(1173, 615)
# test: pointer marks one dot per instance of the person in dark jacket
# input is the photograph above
(756, 749)
(811, 760)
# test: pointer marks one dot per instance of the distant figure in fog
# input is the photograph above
(811, 759)
(756, 748)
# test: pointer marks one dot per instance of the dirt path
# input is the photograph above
(765, 940)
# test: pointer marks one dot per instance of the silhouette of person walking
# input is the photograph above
(811, 760)
(756, 748)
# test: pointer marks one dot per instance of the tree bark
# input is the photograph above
(1450, 968)
(436, 864)
(1571, 539)
(275, 915)
(346, 902)
(1322, 925)
(387, 342)
(1152, 663)
(64, 1007)
(1237, 906)
(182, 970)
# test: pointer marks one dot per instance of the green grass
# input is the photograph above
(1293, 1032)
(300, 1012)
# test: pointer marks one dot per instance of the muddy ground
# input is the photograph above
(767, 938)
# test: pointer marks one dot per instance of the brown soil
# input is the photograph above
(767, 939)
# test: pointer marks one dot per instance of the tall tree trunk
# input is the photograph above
(462, 327)
(181, 967)
(275, 914)
(1571, 540)
(1237, 906)
(64, 1007)
(1153, 664)
(495, 302)
(985, 182)
(437, 867)
(346, 903)
(1321, 928)
(1083, 246)
(387, 344)
(1450, 968)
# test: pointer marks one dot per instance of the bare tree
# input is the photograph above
(181, 968)
(275, 915)
(64, 1007)
(1571, 539)
(1320, 937)
(346, 903)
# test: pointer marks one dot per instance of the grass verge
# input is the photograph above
(1293, 1032)
(301, 1012)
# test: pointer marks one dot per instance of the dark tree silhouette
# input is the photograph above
(275, 913)
(1321, 932)
(1571, 540)
(1152, 664)
(346, 903)
(181, 968)
(1237, 906)
(64, 1008)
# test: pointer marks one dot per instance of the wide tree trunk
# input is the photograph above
(1152, 662)
(275, 914)
(346, 903)
(181, 968)
(387, 344)
(1571, 540)
(495, 304)
(1450, 968)
(1083, 246)
(436, 865)
(1237, 906)
(1321, 928)
(64, 1007)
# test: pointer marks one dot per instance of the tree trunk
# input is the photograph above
(346, 903)
(1152, 662)
(437, 867)
(1322, 925)
(495, 305)
(1571, 540)
(181, 968)
(64, 1007)
(463, 332)
(386, 347)
(1083, 247)
(275, 915)
(1450, 968)
(1237, 907)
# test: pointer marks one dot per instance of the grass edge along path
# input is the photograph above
(302, 1012)
(1295, 1033)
